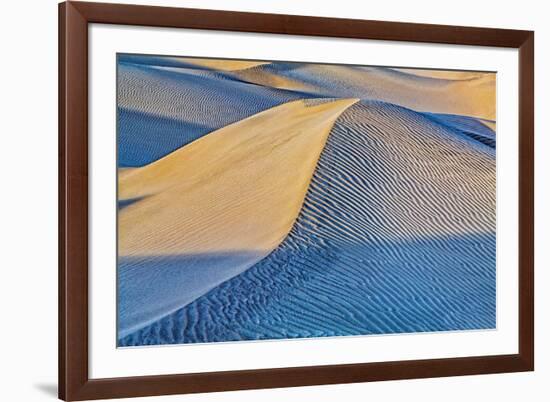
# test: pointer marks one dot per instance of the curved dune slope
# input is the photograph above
(166, 104)
(189, 62)
(397, 234)
(265, 75)
(479, 129)
(221, 64)
(474, 96)
(443, 74)
(177, 239)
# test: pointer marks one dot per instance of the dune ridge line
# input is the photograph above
(261, 168)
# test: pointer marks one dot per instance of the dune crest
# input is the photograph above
(452, 75)
(462, 93)
(261, 165)
(220, 64)
(163, 106)
(259, 75)
(234, 193)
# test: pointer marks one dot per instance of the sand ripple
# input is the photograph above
(396, 234)
(165, 105)
(235, 192)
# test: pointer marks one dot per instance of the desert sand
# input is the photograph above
(268, 200)
(164, 106)
(261, 76)
(222, 64)
(395, 235)
(443, 74)
(260, 167)
(237, 189)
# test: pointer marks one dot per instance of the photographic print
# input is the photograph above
(272, 200)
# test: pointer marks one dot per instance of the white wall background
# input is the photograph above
(28, 199)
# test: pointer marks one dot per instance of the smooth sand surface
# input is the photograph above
(489, 123)
(259, 167)
(124, 171)
(220, 64)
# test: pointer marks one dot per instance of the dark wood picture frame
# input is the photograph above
(74, 381)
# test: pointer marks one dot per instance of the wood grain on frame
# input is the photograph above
(74, 382)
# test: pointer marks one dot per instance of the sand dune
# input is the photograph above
(165, 103)
(221, 64)
(443, 74)
(163, 107)
(260, 75)
(188, 62)
(478, 129)
(397, 234)
(238, 188)
(474, 96)
(279, 200)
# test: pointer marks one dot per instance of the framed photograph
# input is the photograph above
(259, 200)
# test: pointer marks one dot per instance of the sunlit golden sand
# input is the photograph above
(443, 74)
(221, 64)
(238, 188)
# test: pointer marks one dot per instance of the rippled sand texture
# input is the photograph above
(164, 104)
(367, 207)
(236, 191)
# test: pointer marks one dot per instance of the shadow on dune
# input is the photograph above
(467, 126)
(121, 204)
(341, 288)
(150, 287)
(145, 137)
(159, 61)
(163, 108)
